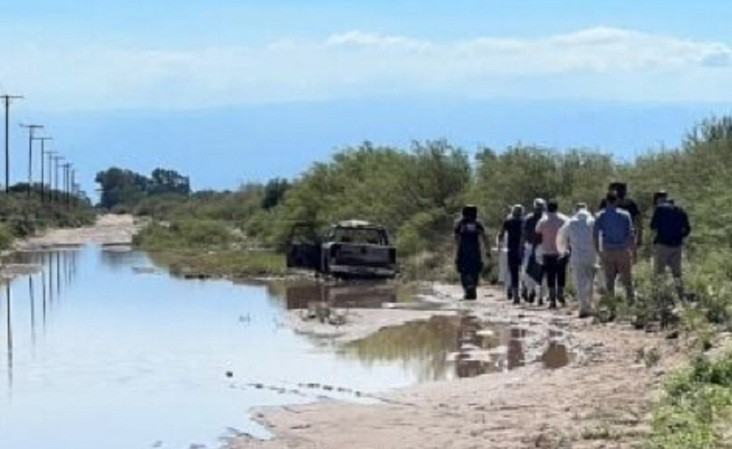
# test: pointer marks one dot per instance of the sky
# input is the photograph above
(155, 62)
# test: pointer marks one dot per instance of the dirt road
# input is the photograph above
(109, 229)
(601, 400)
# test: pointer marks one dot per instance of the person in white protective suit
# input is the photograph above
(576, 237)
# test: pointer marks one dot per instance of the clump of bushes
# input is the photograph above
(185, 234)
(696, 411)
(6, 237)
(22, 216)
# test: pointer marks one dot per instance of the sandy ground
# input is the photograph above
(108, 230)
(360, 323)
(601, 400)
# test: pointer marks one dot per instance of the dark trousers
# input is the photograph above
(555, 270)
(514, 268)
(470, 279)
(469, 266)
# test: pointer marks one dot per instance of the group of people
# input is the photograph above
(543, 245)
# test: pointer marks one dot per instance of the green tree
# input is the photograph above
(168, 181)
(274, 192)
(120, 186)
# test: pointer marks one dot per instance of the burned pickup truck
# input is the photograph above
(349, 249)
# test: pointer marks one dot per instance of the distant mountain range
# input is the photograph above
(224, 147)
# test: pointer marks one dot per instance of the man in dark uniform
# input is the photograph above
(469, 233)
(514, 227)
(631, 207)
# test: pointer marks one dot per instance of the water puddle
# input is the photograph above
(102, 350)
(340, 295)
(446, 347)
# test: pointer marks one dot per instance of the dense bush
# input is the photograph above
(185, 234)
(6, 237)
(697, 408)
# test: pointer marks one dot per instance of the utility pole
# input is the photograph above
(67, 169)
(31, 132)
(43, 163)
(56, 160)
(6, 100)
(72, 183)
(50, 173)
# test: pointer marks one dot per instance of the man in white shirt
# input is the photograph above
(554, 262)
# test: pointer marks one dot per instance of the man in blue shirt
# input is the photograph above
(613, 235)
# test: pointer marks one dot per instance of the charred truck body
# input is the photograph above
(349, 249)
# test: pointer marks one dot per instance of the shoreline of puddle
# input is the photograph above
(474, 345)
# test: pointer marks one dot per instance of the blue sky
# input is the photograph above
(187, 54)
(72, 57)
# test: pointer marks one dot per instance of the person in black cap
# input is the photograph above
(469, 234)
(659, 197)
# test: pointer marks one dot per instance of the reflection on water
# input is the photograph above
(420, 346)
(446, 347)
(100, 356)
(65, 261)
(556, 356)
(340, 295)
(9, 337)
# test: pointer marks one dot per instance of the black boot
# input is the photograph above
(516, 298)
(509, 294)
(560, 297)
(471, 293)
(531, 297)
(552, 298)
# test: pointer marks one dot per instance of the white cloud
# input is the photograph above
(600, 63)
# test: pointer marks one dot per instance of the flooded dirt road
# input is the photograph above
(103, 349)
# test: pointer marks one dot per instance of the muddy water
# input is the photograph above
(100, 352)
(447, 347)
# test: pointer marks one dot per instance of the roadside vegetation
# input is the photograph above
(21, 216)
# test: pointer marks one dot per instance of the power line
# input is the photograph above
(7, 100)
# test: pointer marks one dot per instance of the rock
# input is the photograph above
(673, 335)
